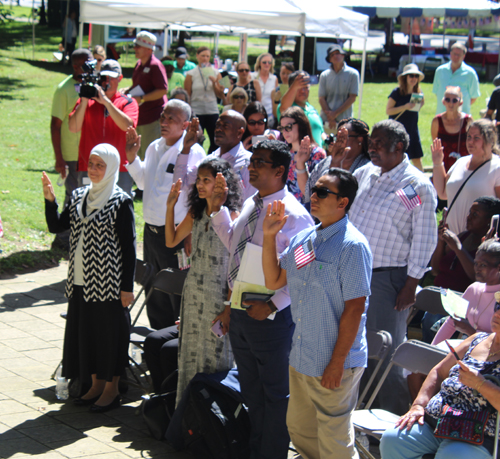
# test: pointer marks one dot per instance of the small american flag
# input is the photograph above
(304, 254)
(409, 197)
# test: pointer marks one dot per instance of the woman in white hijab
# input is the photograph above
(100, 278)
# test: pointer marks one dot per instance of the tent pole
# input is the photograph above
(411, 39)
(302, 46)
(80, 32)
(314, 56)
(363, 68)
(242, 55)
(165, 40)
(33, 34)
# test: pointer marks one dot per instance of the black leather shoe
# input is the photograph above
(102, 409)
(84, 401)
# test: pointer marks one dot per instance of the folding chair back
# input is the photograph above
(414, 356)
(144, 273)
(428, 300)
(379, 345)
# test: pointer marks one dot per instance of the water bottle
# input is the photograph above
(216, 62)
(61, 180)
(136, 354)
(62, 392)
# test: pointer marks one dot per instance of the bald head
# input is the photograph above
(229, 130)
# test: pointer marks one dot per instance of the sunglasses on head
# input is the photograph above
(453, 101)
(243, 70)
(287, 128)
(259, 122)
(322, 193)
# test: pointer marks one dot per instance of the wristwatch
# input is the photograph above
(272, 306)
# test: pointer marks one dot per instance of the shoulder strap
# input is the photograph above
(465, 181)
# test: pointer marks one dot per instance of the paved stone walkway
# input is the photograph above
(32, 421)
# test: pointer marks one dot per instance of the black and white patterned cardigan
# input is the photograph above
(102, 251)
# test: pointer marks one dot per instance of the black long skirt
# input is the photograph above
(96, 339)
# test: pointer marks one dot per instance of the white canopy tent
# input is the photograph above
(260, 16)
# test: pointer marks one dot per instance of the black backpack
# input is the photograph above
(215, 425)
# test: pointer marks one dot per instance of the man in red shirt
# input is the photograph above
(104, 119)
(149, 89)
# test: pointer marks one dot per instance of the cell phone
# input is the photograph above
(217, 329)
(251, 296)
(452, 350)
(258, 138)
(445, 215)
(493, 231)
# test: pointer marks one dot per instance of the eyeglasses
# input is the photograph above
(322, 193)
(257, 163)
(287, 128)
(238, 96)
(266, 62)
(413, 75)
(259, 122)
(243, 70)
(450, 100)
(496, 307)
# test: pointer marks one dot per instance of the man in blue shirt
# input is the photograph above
(328, 271)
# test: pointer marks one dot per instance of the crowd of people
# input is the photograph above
(331, 234)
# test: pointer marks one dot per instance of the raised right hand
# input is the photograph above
(173, 196)
(219, 194)
(437, 151)
(275, 219)
(133, 144)
(48, 190)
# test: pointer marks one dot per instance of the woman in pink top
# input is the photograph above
(480, 294)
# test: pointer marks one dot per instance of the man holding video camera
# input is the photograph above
(103, 114)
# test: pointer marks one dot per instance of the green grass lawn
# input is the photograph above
(26, 90)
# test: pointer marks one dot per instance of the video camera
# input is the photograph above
(91, 78)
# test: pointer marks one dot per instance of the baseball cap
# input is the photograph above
(146, 40)
(332, 49)
(111, 68)
(181, 52)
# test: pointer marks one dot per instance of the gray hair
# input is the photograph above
(177, 104)
(492, 248)
(394, 132)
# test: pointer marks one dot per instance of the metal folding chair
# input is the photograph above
(415, 356)
(171, 282)
(428, 300)
(379, 345)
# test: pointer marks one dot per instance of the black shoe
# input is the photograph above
(102, 409)
(84, 402)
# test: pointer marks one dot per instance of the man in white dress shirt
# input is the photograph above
(155, 175)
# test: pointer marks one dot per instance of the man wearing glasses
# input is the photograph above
(328, 269)
(261, 332)
(395, 210)
(149, 89)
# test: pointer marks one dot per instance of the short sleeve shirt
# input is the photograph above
(63, 104)
(188, 65)
(336, 88)
(176, 81)
(340, 272)
(465, 77)
(150, 77)
(98, 127)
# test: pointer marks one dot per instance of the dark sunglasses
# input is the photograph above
(322, 193)
(453, 101)
(287, 128)
(259, 122)
(413, 75)
(243, 70)
(266, 62)
(238, 96)
(496, 307)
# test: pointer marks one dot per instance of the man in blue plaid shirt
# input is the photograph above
(328, 270)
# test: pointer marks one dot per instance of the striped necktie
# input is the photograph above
(245, 237)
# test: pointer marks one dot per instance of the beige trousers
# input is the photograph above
(319, 419)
